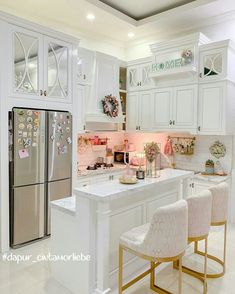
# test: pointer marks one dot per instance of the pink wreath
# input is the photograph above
(110, 106)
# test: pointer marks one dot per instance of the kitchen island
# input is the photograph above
(91, 222)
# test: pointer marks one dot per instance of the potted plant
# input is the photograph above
(210, 167)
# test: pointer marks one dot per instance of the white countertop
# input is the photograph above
(109, 190)
(213, 179)
(67, 205)
(83, 172)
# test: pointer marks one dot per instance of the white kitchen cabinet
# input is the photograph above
(138, 76)
(216, 61)
(41, 66)
(216, 108)
(86, 62)
(57, 69)
(106, 82)
(82, 95)
(162, 108)
(175, 108)
(185, 107)
(139, 111)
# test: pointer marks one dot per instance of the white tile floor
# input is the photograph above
(35, 278)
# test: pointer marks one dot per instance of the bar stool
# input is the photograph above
(199, 218)
(219, 216)
(163, 240)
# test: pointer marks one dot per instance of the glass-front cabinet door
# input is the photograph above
(57, 69)
(212, 64)
(27, 62)
(145, 80)
(133, 78)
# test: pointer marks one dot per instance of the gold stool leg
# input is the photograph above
(205, 267)
(225, 246)
(180, 276)
(120, 269)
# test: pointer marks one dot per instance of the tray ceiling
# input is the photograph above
(141, 9)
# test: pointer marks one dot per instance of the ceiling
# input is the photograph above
(141, 9)
(112, 26)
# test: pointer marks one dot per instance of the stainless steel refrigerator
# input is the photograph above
(40, 170)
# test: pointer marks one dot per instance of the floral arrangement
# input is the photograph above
(151, 151)
(218, 149)
(110, 105)
(209, 163)
(187, 56)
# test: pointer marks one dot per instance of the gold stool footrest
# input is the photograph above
(214, 258)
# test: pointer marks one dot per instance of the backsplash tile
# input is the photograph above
(193, 162)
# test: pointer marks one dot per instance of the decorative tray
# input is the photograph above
(128, 181)
(220, 175)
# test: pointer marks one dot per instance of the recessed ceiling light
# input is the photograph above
(90, 16)
(130, 35)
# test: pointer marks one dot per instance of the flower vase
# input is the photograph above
(152, 170)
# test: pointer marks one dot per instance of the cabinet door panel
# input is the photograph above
(132, 78)
(85, 66)
(57, 68)
(211, 108)
(162, 109)
(132, 111)
(27, 62)
(212, 64)
(185, 107)
(145, 80)
(145, 102)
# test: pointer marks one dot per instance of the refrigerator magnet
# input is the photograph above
(20, 142)
(23, 153)
(21, 126)
(21, 119)
(35, 134)
(52, 137)
(69, 141)
(20, 133)
(68, 129)
(29, 120)
(27, 142)
(35, 128)
(25, 134)
(29, 112)
(36, 113)
(36, 121)
(29, 127)
(29, 134)
(20, 112)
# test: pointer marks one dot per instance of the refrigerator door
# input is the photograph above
(27, 214)
(56, 190)
(59, 133)
(29, 147)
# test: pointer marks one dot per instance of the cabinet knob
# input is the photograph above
(199, 128)
(41, 92)
(200, 75)
(84, 127)
(139, 128)
(136, 127)
(45, 93)
(140, 83)
(173, 122)
(170, 122)
(84, 77)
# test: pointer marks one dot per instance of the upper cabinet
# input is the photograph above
(106, 82)
(216, 114)
(139, 111)
(41, 65)
(138, 76)
(175, 108)
(86, 62)
(216, 61)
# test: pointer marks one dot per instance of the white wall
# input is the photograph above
(217, 32)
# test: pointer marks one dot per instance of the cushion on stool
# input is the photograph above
(165, 236)
(220, 195)
(199, 214)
